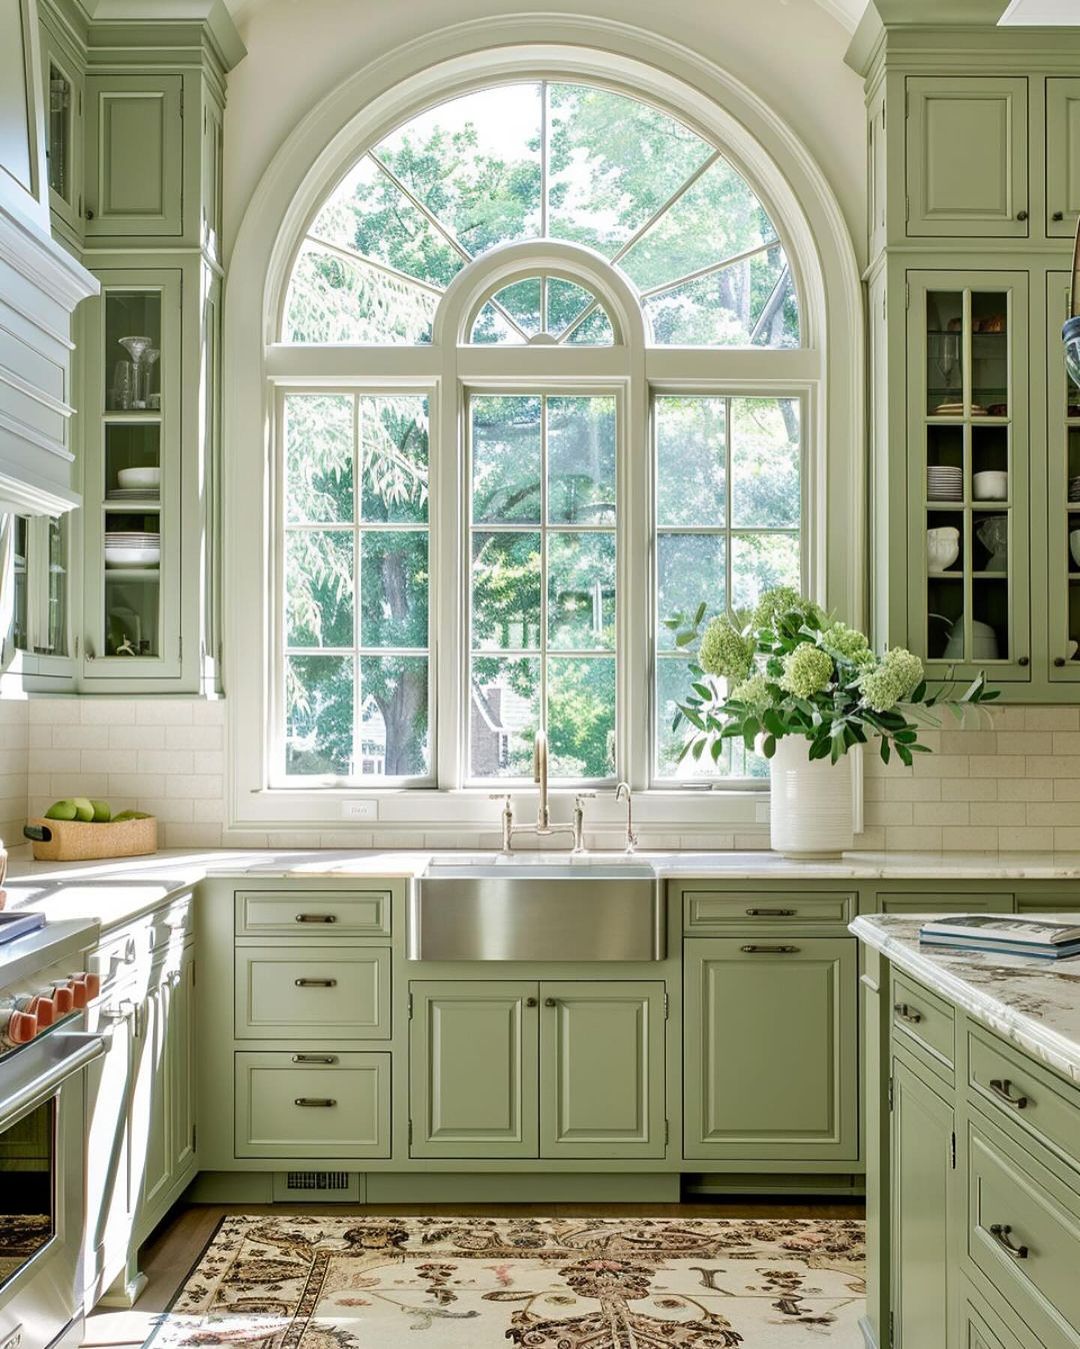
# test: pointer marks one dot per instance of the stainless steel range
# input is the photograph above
(44, 989)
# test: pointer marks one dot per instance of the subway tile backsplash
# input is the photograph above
(1009, 780)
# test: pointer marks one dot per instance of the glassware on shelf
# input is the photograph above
(150, 359)
(137, 347)
(123, 386)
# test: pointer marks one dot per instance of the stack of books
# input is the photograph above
(1043, 937)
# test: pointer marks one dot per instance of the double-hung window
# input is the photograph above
(531, 400)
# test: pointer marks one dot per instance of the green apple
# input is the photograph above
(130, 815)
(61, 810)
(102, 812)
(84, 809)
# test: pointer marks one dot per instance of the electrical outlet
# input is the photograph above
(14, 1340)
(350, 810)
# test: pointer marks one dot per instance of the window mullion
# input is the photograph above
(543, 718)
(358, 692)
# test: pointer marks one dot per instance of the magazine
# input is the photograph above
(1003, 929)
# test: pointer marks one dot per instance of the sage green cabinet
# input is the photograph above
(969, 573)
(64, 130)
(951, 901)
(922, 1183)
(602, 1069)
(1063, 511)
(537, 1069)
(474, 1069)
(1062, 156)
(134, 156)
(967, 156)
(770, 1049)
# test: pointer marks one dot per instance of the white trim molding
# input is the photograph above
(826, 373)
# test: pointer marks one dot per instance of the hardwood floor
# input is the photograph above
(173, 1250)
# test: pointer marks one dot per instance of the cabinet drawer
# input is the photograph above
(929, 901)
(1009, 1085)
(313, 913)
(919, 1015)
(1024, 1235)
(335, 992)
(312, 1105)
(710, 911)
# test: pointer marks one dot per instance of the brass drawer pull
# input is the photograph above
(315, 983)
(1000, 1232)
(316, 918)
(770, 913)
(769, 950)
(315, 1102)
(314, 1058)
(906, 1013)
(1000, 1087)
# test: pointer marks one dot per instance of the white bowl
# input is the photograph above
(991, 484)
(139, 477)
(1074, 545)
(131, 555)
(942, 547)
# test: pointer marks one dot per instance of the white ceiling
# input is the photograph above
(1056, 13)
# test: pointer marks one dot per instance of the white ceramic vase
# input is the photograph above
(811, 803)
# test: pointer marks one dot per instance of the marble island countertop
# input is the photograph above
(118, 890)
(1034, 1003)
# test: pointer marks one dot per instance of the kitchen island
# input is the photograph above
(972, 1106)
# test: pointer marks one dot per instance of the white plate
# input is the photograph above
(139, 477)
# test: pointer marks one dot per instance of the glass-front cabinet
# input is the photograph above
(968, 483)
(132, 478)
(1063, 494)
(64, 82)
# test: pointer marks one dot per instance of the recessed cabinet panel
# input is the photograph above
(313, 913)
(1063, 493)
(922, 1184)
(967, 171)
(473, 1065)
(293, 992)
(602, 1069)
(134, 156)
(770, 1048)
(1062, 156)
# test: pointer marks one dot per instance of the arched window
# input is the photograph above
(534, 395)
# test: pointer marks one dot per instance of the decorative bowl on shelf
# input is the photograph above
(138, 477)
(132, 555)
(942, 547)
(991, 484)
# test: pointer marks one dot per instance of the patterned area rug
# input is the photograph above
(540, 1283)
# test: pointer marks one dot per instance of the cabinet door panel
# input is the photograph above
(108, 1211)
(771, 1049)
(134, 155)
(473, 1069)
(180, 1053)
(151, 1105)
(922, 1185)
(1062, 156)
(602, 1069)
(967, 170)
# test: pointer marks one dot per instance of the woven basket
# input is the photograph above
(76, 841)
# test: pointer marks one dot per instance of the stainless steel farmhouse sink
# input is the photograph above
(509, 908)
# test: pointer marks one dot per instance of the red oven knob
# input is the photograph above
(63, 996)
(42, 1005)
(79, 990)
(19, 1028)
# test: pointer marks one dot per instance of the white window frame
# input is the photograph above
(798, 198)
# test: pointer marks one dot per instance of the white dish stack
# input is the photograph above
(129, 548)
(944, 483)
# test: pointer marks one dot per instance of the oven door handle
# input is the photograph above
(36, 1072)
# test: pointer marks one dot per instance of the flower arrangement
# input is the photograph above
(788, 668)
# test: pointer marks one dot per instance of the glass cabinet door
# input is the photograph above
(1063, 492)
(63, 130)
(132, 482)
(968, 480)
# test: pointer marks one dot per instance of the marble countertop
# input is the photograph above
(121, 889)
(1032, 1002)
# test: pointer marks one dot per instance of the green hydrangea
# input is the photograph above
(846, 643)
(753, 693)
(893, 680)
(725, 652)
(774, 603)
(807, 670)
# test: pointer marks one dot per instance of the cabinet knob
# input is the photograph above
(1021, 215)
(89, 213)
(550, 1002)
(1058, 215)
(532, 1002)
(1059, 661)
(1024, 660)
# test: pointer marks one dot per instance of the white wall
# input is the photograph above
(789, 52)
